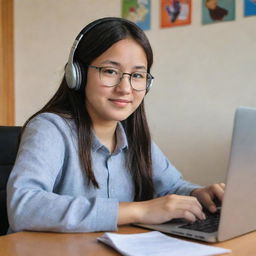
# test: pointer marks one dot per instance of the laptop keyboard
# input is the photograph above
(209, 225)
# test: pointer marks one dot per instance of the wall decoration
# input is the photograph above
(217, 11)
(249, 7)
(137, 11)
(175, 13)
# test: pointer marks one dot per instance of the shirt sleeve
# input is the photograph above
(167, 179)
(31, 202)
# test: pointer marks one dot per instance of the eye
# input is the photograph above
(109, 71)
(139, 75)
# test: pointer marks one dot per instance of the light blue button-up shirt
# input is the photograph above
(48, 190)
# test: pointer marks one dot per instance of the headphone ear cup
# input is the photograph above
(73, 75)
(78, 76)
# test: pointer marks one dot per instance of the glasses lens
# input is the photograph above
(110, 76)
(140, 80)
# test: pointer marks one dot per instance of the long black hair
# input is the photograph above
(69, 103)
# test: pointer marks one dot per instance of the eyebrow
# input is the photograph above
(114, 63)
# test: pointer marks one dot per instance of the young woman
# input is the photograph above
(86, 161)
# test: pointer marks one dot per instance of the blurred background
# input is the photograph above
(202, 74)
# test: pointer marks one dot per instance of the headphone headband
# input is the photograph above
(72, 70)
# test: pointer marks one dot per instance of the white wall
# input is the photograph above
(203, 72)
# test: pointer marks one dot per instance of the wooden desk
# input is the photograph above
(55, 244)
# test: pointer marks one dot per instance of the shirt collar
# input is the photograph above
(121, 140)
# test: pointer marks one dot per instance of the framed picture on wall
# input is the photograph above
(175, 13)
(249, 7)
(138, 11)
(214, 11)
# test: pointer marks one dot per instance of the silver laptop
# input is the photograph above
(237, 215)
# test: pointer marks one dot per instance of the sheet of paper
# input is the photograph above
(157, 244)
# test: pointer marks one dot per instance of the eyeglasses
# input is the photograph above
(139, 80)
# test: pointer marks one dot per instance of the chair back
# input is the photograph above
(9, 137)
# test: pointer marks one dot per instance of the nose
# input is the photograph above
(124, 85)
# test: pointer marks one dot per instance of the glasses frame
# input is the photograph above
(148, 82)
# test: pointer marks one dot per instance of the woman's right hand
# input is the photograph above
(160, 210)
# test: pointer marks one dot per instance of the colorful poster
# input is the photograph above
(137, 11)
(249, 7)
(217, 11)
(175, 13)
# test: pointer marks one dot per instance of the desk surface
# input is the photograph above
(55, 244)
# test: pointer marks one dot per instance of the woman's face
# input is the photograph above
(112, 104)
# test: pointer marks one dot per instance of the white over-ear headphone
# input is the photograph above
(73, 72)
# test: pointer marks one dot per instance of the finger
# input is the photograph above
(193, 214)
(198, 213)
(197, 209)
(193, 200)
(189, 216)
(185, 214)
(218, 191)
(193, 206)
(207, 201)
(223, 185)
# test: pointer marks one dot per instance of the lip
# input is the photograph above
(120, 102)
